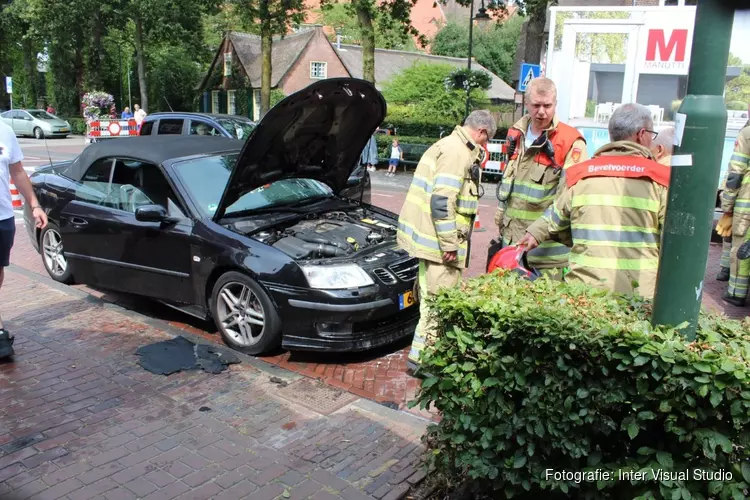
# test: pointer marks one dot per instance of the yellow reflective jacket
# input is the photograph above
(614, 224)
(735, 198)
(531, 184)
(442, 200)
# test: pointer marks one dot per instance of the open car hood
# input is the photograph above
(317, 133)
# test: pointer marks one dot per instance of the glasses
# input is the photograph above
(652, 132)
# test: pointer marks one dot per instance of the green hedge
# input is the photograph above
(538, 377)
(77, 125)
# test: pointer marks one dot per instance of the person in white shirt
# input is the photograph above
(139, 116)
(11, 167)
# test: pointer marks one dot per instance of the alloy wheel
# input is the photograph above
(54, 258)
(240, 314)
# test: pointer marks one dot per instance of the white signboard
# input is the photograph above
(8, 85)
(666, 40)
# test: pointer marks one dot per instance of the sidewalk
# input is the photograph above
(80, 419)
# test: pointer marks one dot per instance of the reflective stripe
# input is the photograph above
(609, 236)
(422, 184)
(745, 179)
(740, 158)
(448, 181)
(467, 205)
(613, 263)
(516, 213)
(423, 240)
(445, 226)
(610, 227)
(554, 216)
(611, 200)
(548, 249)
(535, 193)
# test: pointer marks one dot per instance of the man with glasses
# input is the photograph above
(438, 214)
(541, 147)
(612, 212)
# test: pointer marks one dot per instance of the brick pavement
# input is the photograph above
(80, 419)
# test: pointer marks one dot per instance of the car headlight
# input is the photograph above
(336, 277)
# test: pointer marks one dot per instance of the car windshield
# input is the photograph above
(240, 129)
(205, 179)
(42, 115)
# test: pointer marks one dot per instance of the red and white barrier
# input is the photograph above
(15, 196)
(112, 128)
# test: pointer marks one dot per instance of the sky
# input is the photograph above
(740, 45)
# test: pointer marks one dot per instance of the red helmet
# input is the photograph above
(511, 258)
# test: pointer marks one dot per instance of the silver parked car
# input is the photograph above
(35, 122)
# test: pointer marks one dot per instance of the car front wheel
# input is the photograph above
(54, 260)
(38, 133)
(244, 314)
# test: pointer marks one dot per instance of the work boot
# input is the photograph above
(723, 274)
(743, 252)
(6, 344)
(731, 299)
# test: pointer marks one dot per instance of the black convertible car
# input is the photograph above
(259, 236)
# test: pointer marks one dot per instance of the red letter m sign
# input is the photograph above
(677, 46)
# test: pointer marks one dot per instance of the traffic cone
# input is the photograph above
(478, 225)
(15, 196)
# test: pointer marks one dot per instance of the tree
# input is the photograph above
(493, 47)
(388, 33)
(595, 47)
(536, 12)
(366, 12)
(421, 90)
(272, 16)
(735, 61)
(738, 90)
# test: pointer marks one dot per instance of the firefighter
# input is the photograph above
(613, 209)
(735, 203)
(438, 214)
(724, 229)
(662, 147)
(540, 147)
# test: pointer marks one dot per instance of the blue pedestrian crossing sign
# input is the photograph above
(528, 72)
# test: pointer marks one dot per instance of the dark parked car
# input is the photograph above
(255, 235)
(231, 126)
(179, 123)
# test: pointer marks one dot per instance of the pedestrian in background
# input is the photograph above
(541, 148)
(397, 155)
(612, 210)
(369, 156)
(126, 113)
(12, 168)
(438, 214)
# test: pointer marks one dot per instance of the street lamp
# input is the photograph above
(481, 17)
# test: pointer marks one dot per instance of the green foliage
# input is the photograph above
(595, 47)
(277, 95)
(389, 33)
(77, 125)
(540, 375)
(734, 60)
(738, 89)
(494, 47)
(385, 141)
(590, 108)
(465, 79)
(174, 77)
(420, 93)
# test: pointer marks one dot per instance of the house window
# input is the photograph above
(256, 107)
(318, 70)
(231, 102)
(228, 64)
(214, 101)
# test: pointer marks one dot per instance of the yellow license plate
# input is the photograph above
(64, 130)
(406, 299)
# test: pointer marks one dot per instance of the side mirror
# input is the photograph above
(151, 213)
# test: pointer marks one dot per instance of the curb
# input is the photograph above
(269, 369)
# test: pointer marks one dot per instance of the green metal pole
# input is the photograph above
(692, 189)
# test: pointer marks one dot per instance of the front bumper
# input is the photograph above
(346, 320)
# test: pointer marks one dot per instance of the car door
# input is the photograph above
(25, 123)
(109, 248)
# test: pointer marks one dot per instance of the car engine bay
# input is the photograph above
(326, 235)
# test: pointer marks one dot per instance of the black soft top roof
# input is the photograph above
(150, 149)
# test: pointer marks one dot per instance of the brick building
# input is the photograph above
(232, 84)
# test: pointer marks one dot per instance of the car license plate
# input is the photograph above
(64, 130)
(406, 299)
